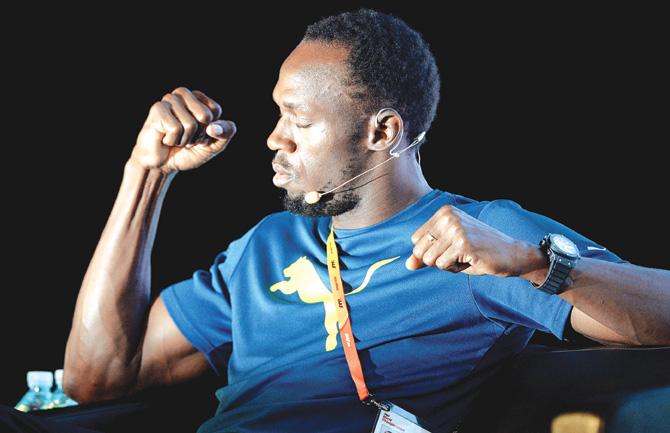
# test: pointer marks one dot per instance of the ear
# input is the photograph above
(385, 130)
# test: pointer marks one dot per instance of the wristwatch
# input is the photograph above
(563, 256)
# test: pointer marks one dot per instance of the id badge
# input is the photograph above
(397, 420)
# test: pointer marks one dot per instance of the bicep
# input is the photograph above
(591, 328)
(167, 357)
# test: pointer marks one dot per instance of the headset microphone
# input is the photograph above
(314, 196)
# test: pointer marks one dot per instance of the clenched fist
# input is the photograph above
(182, 132)
(455, 241)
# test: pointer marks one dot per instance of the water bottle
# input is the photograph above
(58, 397)
(38, 395)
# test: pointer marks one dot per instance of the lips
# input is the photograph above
(282, 176)
(281, 170)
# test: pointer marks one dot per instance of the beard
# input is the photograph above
(341, 200)
(332, 204)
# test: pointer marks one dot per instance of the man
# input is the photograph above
(438, 288)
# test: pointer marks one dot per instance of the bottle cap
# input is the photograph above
(58, 375)
(43, 379)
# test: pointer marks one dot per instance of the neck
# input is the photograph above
(385, 196)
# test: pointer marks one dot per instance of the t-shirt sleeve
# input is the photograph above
(508, 301)
(200, 306)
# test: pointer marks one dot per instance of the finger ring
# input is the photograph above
(431, 238)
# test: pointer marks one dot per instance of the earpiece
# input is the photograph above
(314, 196)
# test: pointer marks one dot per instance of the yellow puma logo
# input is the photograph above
(303, 278)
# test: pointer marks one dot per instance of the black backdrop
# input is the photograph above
(557, 108)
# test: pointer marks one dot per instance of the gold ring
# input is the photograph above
(431, 238)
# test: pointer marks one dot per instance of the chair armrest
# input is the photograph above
(174, 408)
(542, 382)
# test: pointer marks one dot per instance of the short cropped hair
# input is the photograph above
(389, 60)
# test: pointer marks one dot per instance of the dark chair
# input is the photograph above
(179, 408)
(628, 388)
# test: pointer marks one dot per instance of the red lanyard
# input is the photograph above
(346, 335)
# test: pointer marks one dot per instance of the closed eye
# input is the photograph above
(298, 125)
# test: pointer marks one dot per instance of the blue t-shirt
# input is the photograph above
(263, 315)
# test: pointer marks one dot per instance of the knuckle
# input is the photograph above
(443, 223)
(181, 90)
(157, 105)
(458, 232)
(446, 210)
(174, 128)
(204, 116)
(190, 127)
(451, 223)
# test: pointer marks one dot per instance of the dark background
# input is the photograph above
(557, 108)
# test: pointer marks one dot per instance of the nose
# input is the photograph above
(279, 139)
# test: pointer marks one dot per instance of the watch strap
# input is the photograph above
(559, 269)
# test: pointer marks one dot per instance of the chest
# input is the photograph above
(284, 305)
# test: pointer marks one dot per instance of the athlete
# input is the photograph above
(435, 289)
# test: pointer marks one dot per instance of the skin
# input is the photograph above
(306, 95)
(122, 342)
(614, 304)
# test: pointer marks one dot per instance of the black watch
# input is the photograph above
(563, 256)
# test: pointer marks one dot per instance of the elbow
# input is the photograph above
(86, 389)
(651, 337)
(653, 333)
(73, 388)
(79, 379)
(96, 377)
(80, 390)
(657, 340)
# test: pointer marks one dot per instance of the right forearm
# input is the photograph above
(104, 352)
(114, 298)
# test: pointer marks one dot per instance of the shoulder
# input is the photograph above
(503, 214)
(271, 229)
(502, 211)
(484, 210)
(512, 219)
(499, 212)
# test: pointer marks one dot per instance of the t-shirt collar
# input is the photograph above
(406, 213)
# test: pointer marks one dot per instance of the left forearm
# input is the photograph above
(631, 300)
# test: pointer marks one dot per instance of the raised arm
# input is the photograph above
(120, 341)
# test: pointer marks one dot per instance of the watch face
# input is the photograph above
(564, 245)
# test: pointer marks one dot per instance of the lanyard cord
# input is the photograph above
(346, 334)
